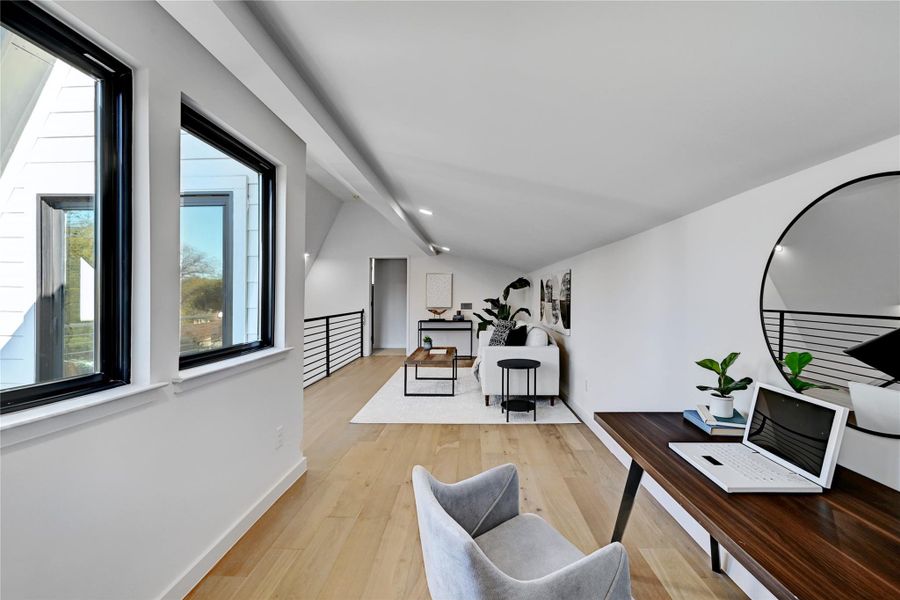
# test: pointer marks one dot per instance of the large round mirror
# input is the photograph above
(830, 301)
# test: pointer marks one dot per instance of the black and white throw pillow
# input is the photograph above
(501, 331)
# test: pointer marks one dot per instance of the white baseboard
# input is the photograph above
(735, 571)
(186, 582)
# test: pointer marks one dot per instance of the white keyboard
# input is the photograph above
(750, 464)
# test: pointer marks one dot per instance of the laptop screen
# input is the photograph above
(791, 429)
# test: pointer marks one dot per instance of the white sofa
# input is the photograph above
(489, 372)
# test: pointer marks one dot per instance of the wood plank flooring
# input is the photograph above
(347, 529)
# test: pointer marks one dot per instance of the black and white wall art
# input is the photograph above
(556, 301)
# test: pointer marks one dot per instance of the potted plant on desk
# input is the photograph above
(722, 403)
(426, 342)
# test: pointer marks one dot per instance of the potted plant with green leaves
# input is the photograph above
(722, 403)
(499, 309)
(426, 342)
(795, 363)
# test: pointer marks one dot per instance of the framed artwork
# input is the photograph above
(438, 290)
(556, 301)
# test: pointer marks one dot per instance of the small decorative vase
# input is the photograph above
(426, 345)
(721, 407)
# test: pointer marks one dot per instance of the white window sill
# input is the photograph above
(31, 423)
(204, 374)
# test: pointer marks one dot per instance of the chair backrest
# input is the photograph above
(454, 565)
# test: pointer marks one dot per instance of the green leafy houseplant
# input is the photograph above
(500, 310)
(795, 363)
(726, 385)
(426, 342)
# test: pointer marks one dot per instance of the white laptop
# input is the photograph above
(790, 444)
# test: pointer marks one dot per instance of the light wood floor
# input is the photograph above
(347, 529)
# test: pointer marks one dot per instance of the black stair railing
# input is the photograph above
(331, 342)
(826, 336)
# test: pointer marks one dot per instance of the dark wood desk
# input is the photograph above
(842, 543)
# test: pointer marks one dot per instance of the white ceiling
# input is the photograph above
(536, 131)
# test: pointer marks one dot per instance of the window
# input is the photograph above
(65, 212)
(227, 241)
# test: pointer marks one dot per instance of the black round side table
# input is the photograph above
(521, 403)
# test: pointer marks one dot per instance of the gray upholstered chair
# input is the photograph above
(477, 546)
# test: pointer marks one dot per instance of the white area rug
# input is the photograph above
(389, 405)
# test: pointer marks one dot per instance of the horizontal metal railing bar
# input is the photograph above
(801, 348)
(814, 343)
(344, 336)
(336, 343)
(314, 369)
(829, 314)
(321, 367)
(315, 360)
(342, 353)
(310, 336)
(338, 349)
(306, 348)
(310, 374)
(338, 321)
(355, 336)
(345, 327)
(308, 358)
(872, 330)
(313, 379)
(840, 371)
(315, 326)
(352, 312)
(306, 342)
(804, 328)
(334, 334)
(342, 328)
(842, 381)
(827, 337)
(338, 358)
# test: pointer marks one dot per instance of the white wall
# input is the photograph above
(321, 210)
(389, 310)
(141, 502)
(645, 308)
(338, 281)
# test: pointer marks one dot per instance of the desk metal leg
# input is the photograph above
(631, 487)
(714, 555)
(405, 376)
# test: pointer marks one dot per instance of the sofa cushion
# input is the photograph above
(501, 332)
(537, 337)
(517, 336)
(527, 547)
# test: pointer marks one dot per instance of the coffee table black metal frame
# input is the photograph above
(519, 403)
(451, 379)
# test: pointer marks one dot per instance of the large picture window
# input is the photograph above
(65, 220)
(227, 225)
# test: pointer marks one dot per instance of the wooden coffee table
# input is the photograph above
(424, 358)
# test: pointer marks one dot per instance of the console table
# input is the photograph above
(841, 543)
(426, 325)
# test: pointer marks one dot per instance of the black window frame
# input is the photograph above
(205, 129)
(225, 200)
(112, 229)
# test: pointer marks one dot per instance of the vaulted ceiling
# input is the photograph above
(536, 131)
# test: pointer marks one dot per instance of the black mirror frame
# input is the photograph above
(762, 286)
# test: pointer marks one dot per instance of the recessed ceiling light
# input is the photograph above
(779, 248)
(306, 256)
(444, 248)
(425, 211)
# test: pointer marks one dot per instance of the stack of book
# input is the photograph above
(702, 418)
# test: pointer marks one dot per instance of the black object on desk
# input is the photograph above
(519, 403)
(464, 325)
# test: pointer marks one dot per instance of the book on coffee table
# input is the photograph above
(438, 351)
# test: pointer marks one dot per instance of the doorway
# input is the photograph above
(387, 305)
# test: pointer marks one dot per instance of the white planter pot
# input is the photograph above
(721, 407)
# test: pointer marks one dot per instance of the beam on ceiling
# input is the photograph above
(230, 32)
